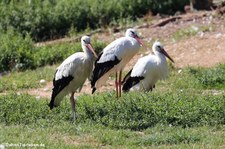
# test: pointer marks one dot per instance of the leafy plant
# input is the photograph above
(210, 78)
(50, 19)
(191, 31)
(15, 52)
(18, 53)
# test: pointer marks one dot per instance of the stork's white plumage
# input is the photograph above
(113, 58)
(148, 70)
(72, 73)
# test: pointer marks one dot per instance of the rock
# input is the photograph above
(38, 97)
(218, 35)
(42, 81)
(179, 71)
(45, 89)
(201, 34)
(195, 28)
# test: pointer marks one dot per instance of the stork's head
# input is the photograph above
(86, 44)
(133, 33)
(158, 47)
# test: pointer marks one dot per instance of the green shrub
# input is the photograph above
(49, 19)
(15, 51)
(18, 53)
(211, 78)
(36, 18)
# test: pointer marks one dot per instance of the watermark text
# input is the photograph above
(4, 145)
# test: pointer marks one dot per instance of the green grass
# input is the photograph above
(133, 111)
(213, 78)
(26, 79)
(27, 120)
(195, 79)
(190, 31)
(179, 113)
(90, 135)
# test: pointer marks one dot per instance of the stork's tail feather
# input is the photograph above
(93, 90)
(51, 104)
(59, 85)
(130, 82)
(127, 76)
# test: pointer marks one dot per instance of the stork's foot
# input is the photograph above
(74, 116)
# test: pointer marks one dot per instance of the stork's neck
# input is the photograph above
(134, 42)
(88, 52)
(160, 56)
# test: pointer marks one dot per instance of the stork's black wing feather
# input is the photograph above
(100, 69)
(130, 82)
(58, 86)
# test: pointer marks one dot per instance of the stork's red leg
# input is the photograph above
(116, 83)
(120, 78)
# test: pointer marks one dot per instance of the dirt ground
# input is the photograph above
(206, 48)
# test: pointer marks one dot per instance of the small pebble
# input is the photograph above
(179, 71)
(218, 35)
(38, 97)
(45, 89)
(42, 81)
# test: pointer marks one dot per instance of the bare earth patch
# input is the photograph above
(204, 49)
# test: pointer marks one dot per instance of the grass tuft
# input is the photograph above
(191, 31)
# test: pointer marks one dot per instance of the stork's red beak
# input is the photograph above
(89, 46)
(139, 41)
(167, 55)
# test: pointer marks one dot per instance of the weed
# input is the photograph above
(190, 31)
(213, 78)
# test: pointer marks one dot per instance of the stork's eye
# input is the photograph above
(84, 41)
(159, 47)
(132, 32)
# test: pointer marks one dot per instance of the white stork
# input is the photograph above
(72, 73)
(113, 59)
(148, 70)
